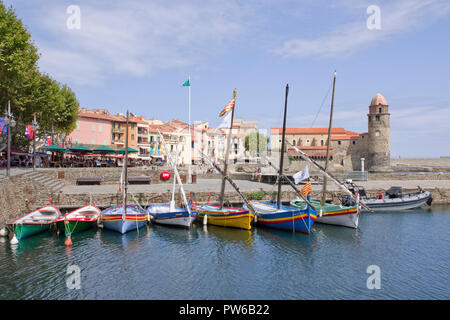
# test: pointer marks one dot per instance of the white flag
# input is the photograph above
(301, 175)
(226, 122)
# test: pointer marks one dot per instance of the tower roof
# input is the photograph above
(378, 100)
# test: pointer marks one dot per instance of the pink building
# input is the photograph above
(94, 128)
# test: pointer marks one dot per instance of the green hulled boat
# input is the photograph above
(34, 222)
(347, 216)
(79, 220)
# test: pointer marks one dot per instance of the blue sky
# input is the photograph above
(136, 54)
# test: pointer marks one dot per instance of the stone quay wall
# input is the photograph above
(19, 195)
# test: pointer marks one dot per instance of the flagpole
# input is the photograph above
(222, 190)
(189, 180)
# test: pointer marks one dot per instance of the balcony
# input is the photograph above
(118, 130)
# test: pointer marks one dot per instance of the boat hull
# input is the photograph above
(113, 219)
(163, 214)
(287, 218)
(333, 214)
(73, 226)
(399, 204)
(26, 230)
(230, 218)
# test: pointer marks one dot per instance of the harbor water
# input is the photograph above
(410, 249)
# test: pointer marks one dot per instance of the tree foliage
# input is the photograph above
(28, 90)
(256, 139)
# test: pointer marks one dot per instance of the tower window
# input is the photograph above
(379, 110)
(321, 142)
(339, 142)
(377, 118)
(293, 142)
(377, 133)
(354, 142)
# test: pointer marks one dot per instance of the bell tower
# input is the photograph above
(379, 147)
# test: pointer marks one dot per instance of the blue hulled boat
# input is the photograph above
(116, 219)
(285, 217)
(164, 214)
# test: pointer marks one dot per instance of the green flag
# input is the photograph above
(187, 84)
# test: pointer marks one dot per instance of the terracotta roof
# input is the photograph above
(337, 130)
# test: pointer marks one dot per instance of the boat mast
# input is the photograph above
(324, 187)
(222, 190)
(126, 171)
(280, 172)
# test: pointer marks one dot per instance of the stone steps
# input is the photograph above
(55, 186)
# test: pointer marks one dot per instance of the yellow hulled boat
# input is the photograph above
(225, 217)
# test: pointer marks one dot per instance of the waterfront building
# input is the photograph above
(93, 128)
(347, 148)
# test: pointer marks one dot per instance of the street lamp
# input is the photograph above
(34, 127)
(10, 123)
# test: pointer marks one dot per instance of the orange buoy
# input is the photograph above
(68, 241)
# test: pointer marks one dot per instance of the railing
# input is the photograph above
(117, 130)
(358, 175)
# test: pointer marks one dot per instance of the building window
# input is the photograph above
(377, 133)
(132, 137)
(78, 126)
(77, 141)
(379, 110)
(93, 141)
(354, 142)
(293, 142)
(377, 117)
(93, 128)
(104, 142)
(100, 128)
(339, 142)
(132, 126)
(321, 142)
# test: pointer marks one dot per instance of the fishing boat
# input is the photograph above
(393, 199)
(283, 217)
(224, 216)
(34, 222)
(220, 215)
(124, 218)
(278, 216)
(169, 214)
(78, 220)
(174, 216)
(335, 214)
(327, 213)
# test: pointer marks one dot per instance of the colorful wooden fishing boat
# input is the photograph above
(123, 220)
(170, 214)
(340, 215)
(225, 217)
(34, 222)
(284, 217)
(79, 220)
(164, 214)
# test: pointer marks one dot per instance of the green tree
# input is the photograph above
(261, 141)
(26, 88)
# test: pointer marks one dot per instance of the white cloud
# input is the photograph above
(396, 19)
(135, 38)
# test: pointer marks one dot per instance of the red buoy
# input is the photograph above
(68, 241)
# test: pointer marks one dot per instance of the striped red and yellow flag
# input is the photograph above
(306, 189)
(228, 107)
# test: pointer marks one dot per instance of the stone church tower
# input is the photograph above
(379, 153)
